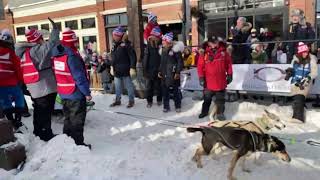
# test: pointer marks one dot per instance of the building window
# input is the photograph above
(90, 42)
(33, 27)
(45, 26)
(116, 20)
(88, 23)
(21, 31)
(58, 24)
(72, 24)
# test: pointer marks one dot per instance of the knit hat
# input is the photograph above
(119, 31)
(302, 48)
(33, 35)
(168, 37)
(156, 32)
(152, 18)
(69, 36)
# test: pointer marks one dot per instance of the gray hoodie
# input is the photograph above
(41, 58)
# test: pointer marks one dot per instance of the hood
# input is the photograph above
(247, 26)
(178, 46)
(21, 48)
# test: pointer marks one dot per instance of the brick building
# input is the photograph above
(94, 20)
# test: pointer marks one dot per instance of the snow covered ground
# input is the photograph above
(132, 147)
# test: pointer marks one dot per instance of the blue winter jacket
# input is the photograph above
(78, 71)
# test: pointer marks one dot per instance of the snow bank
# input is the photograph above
(145, 148)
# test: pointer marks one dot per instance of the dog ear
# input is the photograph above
(271, 115)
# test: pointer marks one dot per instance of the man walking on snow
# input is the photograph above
(215, 73)
(36, 66)
(123, 62)
(72, 85)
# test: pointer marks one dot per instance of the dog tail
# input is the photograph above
(194, 129)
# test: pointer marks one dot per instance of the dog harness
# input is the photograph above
(254, 142)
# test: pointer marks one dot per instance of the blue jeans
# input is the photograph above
(128, 85)
(11, 94)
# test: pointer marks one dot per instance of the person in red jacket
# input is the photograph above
(152, 23)
(10, 79)
(215, 73)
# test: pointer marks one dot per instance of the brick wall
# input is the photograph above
(307, 6)
(57, 14)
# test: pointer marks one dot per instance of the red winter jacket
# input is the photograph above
(17, 76)
(148, 29)
(215, 72)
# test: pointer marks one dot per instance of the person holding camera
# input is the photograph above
(303, 71)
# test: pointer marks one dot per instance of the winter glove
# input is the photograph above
(306, 81)
(229, 79)
(160, 75)
(111, 71)
(201, 81)
(289, 74)
(176, 76)
(133, 72)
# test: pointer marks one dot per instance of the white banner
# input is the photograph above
(267, 78)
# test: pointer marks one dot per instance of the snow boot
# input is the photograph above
(165, 110)
(26, 114)
(130, 104)
(202, 115)
(86, 145)
(115, 103)
(178, 110)
(220, 117)
(149, 105)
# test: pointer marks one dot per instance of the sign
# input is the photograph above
(268, 78)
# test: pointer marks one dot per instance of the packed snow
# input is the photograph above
(145, 146)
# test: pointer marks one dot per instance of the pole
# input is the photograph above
(188, 25)
(135, 29)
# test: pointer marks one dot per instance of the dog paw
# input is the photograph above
(194, 159)
(199, 166)
(246, 170)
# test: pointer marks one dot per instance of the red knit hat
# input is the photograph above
(33, 35)
(69, 36)
(302, 48)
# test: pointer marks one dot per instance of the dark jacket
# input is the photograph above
(104, 70)
(78, 71)
(298, 32)
(151, 61)
(240, 53)
(171, 64)
(123, 58)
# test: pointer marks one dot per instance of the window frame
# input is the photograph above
(75, 21)
(23, 32)
(91, 18)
